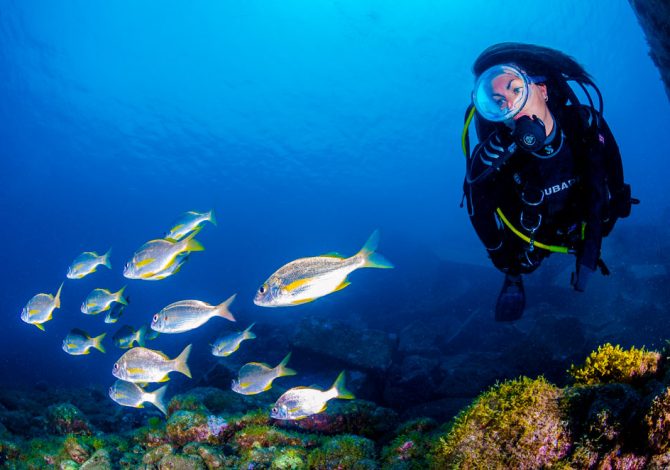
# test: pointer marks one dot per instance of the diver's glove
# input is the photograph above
(497, 148)
(580, 277)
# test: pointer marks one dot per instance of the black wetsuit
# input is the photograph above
(556, 196)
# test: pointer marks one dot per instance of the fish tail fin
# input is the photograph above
(340, 389)
(222, 309)
(193, 245)
(282, 370)
(141, 335)
(57, 298)
(248, 334)
(119, 296)
(106, 259)
(211, 217)
(372, 259)
(157, 398)
(180, 362)
(97, 343)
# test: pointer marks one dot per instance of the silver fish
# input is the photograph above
(154, 259)
(301, 402)
(141, 365)
(87, 263)
(174, 268)
(187, 315)
(257, 377)
(307, 279)
(100, 300)
(79, 342)
(130, 394)
(40, 308)
(228, 344)
(188, 222)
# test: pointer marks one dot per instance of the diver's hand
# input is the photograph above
(580, 277)
(497, 148)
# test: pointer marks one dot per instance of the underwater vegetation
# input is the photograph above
(615, 413)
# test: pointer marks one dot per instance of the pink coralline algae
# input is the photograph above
(216, 424)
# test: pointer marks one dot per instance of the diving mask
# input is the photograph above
(502, 91)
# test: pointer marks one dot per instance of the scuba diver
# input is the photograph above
(546, 175)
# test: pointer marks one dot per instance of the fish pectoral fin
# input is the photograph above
(33, 311)
(342, 285)
(145, 262)
(303, 301)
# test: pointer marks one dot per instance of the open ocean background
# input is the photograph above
(305, 125)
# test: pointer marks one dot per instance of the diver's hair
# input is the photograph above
(555, 65)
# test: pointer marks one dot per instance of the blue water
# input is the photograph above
(304, 125)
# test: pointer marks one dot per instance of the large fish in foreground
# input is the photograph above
(301, 402)
(307, 279)
(40, 308)
(140, 365)
(130, 394)
(187, 315)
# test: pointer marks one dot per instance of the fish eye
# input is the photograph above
(275, 410)
(111, 390)
(116, 366)
(156, 318)
(262, 289)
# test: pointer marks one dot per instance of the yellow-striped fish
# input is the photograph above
(142, 365)
(188, 222)
(301, 402)
(307, 279)
(40, 308)
(256, 377)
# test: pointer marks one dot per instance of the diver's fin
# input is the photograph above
(511, 300)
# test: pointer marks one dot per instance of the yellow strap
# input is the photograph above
(465, 130)
(552, 248)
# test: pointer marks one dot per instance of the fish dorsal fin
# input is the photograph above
(334, 254)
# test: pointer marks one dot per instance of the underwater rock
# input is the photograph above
(194, 426)
(358, 348)
(211, 457)
(65, 418)
(515, 424)
(99, 461)
(76, 449)
(359, 417)
(346, 451)
(417, 338)
(157, 454)
(181, 462)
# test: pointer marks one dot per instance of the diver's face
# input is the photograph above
(507, 92)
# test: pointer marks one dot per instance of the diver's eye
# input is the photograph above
(262, 289)
(116, 366)
(156, 318)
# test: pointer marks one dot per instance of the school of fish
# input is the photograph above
(297, 282)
